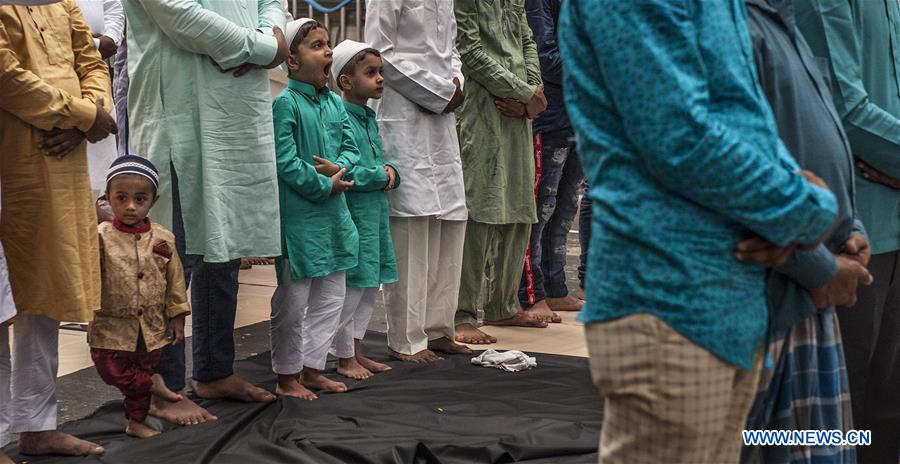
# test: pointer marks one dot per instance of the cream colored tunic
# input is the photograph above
(143, 287)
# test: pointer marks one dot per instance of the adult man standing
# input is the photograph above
(418, 128)
(558, 170)
(684, 161)
(860, 42)
(501, 64)
(199, 108)
(54, 93)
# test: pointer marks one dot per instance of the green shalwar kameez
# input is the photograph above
(368, 203)
(499, 60)
(317, 233)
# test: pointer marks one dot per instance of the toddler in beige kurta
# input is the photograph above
(143, 298)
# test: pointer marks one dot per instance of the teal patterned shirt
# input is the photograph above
(684, 161)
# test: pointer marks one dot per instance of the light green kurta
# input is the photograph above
(499, 60)
(318, 235)
(214, 128)
(368, 203)
(860, 42)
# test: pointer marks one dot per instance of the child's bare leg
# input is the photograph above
(288, 385)
(312, 378)
(140, 429)
(4, 459)
(368, 363)
(422, 357)
(160, 390)
(350, 367)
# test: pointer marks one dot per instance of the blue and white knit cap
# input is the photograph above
(133, 164)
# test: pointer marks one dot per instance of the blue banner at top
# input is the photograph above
(321, 9)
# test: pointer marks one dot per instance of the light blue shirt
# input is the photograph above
(683, 158)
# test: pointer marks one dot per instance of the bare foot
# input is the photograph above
(541, 311)
(350, 367)
(467, 333)
(4, 459)
(56, 442)
(182, 412)
(580, 294)
(288, 385)
(233, 387)
(447, 346)
(160, 390)
(566, 303)
(312, 378)
(140, 430)
(422, 357)
(519, 320)
(372, 365)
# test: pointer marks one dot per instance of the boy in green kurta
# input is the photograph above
(503, 91)
(359, 76)
(314, 148)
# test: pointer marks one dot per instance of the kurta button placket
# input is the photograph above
(137, 236)
(140, 311)
(140, 275)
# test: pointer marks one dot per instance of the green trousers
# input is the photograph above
(493, 257)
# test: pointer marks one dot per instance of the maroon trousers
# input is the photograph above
(130, 372)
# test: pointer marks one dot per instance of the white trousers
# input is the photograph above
(28, 381)
(358, 306)
(305, 318)
(422, 305)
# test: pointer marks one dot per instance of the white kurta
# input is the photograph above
(105, 17)
(416, 39)
(7, 305)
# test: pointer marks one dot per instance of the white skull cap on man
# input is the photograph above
(290, 33)
(343, 53)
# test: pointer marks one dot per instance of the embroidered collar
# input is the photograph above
(141, 228)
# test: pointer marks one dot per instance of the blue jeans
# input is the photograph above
(214, 288)
(544, 275)
(584, 232)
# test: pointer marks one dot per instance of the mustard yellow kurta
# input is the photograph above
(51, 74)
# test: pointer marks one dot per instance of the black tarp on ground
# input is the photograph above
(445, 412)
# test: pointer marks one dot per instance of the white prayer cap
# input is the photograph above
(345, 51)
(292, 28)
(27, 2)
(290, 33)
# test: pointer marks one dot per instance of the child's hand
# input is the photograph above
(175, 330)
(338, 184)
(325, 167)
(392, 178)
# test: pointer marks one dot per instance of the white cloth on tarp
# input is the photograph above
(510, 361)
